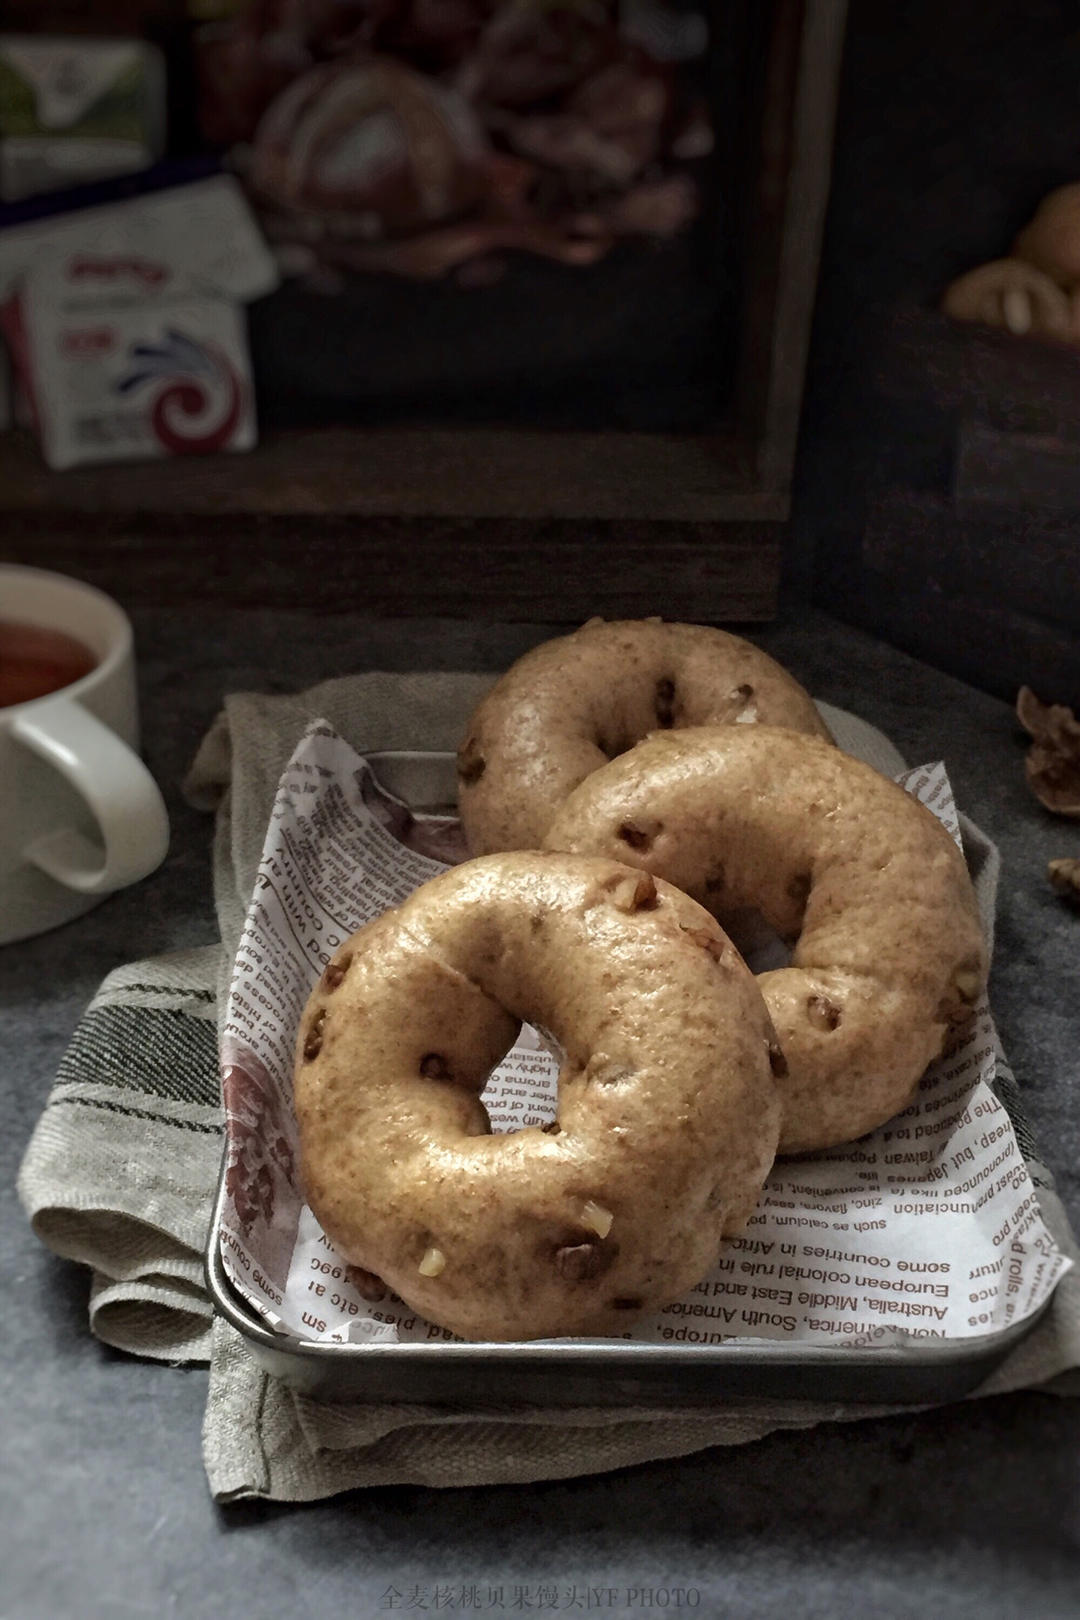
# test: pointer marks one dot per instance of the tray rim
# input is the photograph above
(599, 1354)
(979, 1352)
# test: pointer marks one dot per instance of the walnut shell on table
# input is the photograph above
(1064, 875)
(1053, 761)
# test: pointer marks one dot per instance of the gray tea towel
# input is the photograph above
(121, 1170)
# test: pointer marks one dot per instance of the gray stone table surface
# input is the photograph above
(969, 1511)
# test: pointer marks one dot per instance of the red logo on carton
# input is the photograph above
(88, 268)
(198, 400)
(86, 343)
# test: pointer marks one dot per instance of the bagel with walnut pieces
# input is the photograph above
(668, 1110)
(888, 950)
(570, 705)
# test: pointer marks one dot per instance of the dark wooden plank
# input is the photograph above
(999, 468)
(485, 568)
(767, 161)
(89, 16)
(993, 646)
(419, 472)
(1024, 561)
(1028, 384)
(786, 226)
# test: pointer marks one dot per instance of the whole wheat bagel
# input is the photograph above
(888, 951)
(570, 705)
(668, 1110)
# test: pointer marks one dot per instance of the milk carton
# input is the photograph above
(121, 379)
(127, 329)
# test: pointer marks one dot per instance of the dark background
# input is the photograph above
(955, 120)
(937, 498)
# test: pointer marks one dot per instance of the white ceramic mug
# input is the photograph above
(80, 815)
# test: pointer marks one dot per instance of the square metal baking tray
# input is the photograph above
(592, 1372)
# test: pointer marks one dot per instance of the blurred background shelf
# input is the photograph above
(444, 472)
(515, 520)
(413, 522)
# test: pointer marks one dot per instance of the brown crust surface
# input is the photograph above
(668, 1109)
(888, 951)
(570, 705)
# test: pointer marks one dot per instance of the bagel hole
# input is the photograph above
(755, 939)
(715, 881)
(664, 703)
(521, 1092)
(798, 889)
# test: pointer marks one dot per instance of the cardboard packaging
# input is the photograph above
(76, 110)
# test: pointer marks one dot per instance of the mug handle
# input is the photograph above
(121, 793)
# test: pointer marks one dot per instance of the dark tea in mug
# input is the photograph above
(35, 661)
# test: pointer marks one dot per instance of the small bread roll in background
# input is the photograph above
(1051, 242)
(1015, 296)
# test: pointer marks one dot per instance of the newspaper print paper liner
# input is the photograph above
(928, 1228)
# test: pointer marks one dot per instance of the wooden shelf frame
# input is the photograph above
(725, 494)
